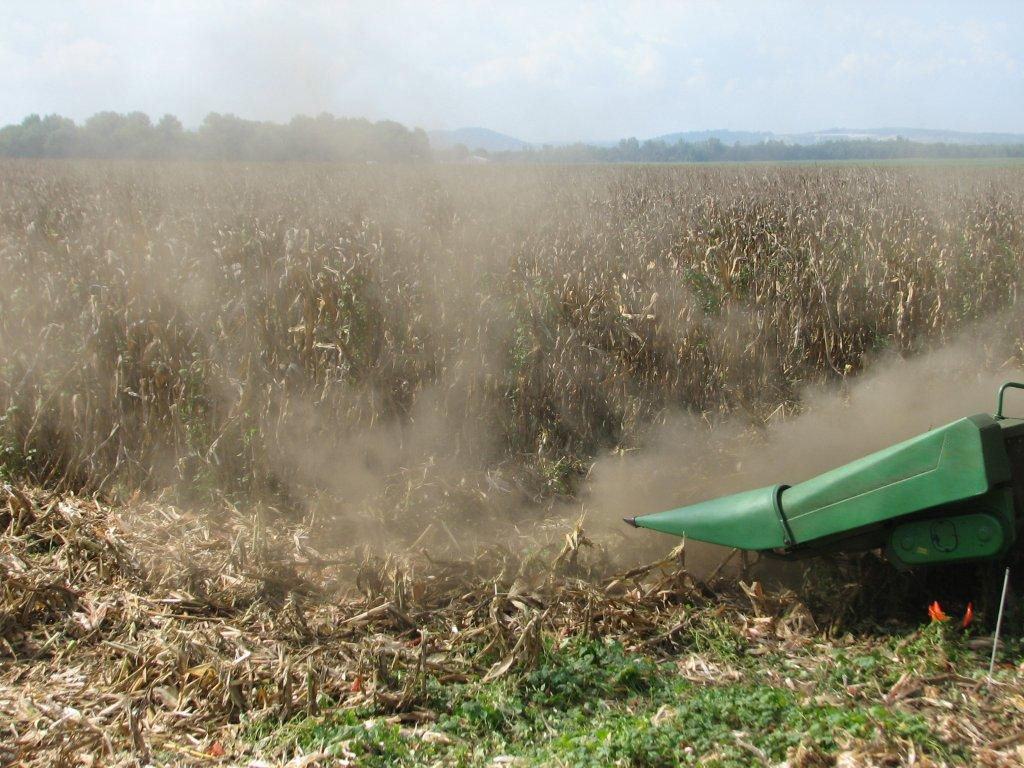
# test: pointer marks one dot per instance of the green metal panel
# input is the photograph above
(953, 463)
(946, 540)
(750, 520)
(985, 532)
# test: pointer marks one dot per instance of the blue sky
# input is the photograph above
(541, 71)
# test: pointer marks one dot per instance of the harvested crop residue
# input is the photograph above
(152, 634)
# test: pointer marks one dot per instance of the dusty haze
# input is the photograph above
(490, 352)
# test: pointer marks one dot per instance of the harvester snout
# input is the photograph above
(954, 494)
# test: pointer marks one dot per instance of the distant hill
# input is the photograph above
(922, 135)
(742, 138)
(476, 138)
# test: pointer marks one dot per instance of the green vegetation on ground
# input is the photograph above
(593, 703)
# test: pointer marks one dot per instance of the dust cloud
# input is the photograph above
(685, 459)
(390, 352)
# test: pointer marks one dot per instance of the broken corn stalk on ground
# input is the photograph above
(147, 634)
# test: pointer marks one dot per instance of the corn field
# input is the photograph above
(248, 413)
(279, 332)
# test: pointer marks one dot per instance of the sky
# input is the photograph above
(539, 71)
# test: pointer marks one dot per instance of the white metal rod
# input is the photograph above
(999, 623)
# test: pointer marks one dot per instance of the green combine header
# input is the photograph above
(954, 494)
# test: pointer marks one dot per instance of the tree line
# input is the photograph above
(219, 137)
(329, 138)
(714, 150)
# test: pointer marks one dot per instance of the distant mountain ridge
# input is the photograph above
(492, 141)
(724, 136)
(923, 135)
(476, 138)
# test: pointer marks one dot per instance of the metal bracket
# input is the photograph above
(787, 534)
(1002, 391)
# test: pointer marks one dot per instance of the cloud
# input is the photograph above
(540, 70)
(84, 56)
(851, 64)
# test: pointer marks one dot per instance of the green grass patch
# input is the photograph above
(593, 703)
